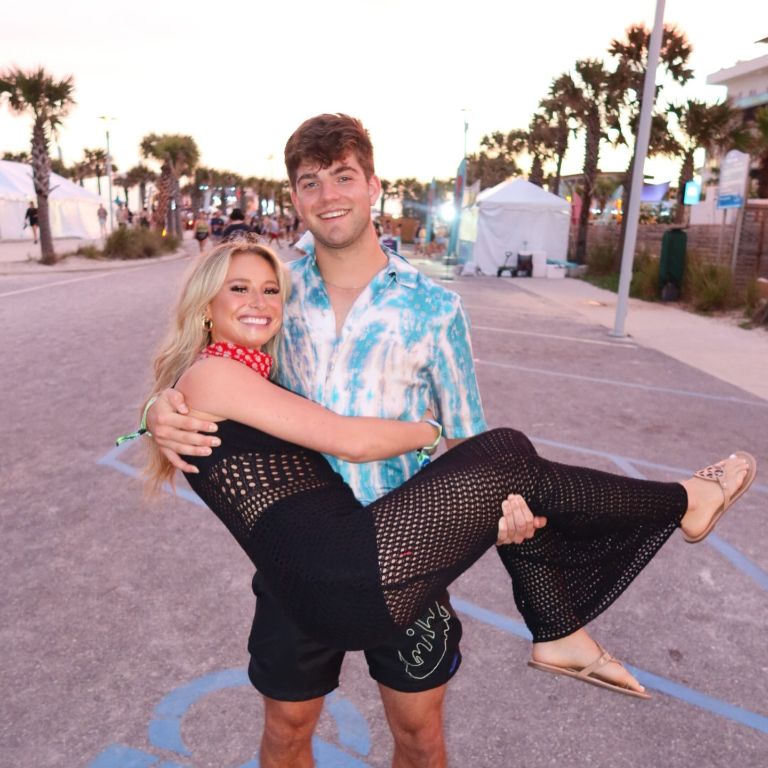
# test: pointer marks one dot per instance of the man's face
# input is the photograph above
(335, 202)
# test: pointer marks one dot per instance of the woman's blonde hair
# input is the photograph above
(188, 336)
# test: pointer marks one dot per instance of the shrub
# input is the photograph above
(601, 260)
(89, 251)
(707, 287)
(139, 243)
(645, 277)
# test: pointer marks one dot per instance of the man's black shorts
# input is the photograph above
(288, 665)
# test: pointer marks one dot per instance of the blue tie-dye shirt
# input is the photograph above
(404, 347)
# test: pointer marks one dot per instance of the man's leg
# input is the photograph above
(412, 678)
(288, 728)
(416, 722)
(293, 673)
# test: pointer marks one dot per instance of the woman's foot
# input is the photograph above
(578, 651)
(712, 490)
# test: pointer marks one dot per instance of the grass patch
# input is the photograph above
(138, 244)
(708, 287)
(89, 252)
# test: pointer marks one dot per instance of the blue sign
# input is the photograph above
(730, 201)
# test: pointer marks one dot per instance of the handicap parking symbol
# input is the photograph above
(164, 731)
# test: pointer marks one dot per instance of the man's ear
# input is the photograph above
(374, 188)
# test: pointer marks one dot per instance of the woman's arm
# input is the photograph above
(227, 389)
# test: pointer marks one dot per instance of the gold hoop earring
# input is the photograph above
(207, 324)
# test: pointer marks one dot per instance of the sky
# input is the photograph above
(241, 79)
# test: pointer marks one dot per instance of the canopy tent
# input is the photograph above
(517, 216)
(72, 208)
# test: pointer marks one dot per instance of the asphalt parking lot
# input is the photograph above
(125, 620)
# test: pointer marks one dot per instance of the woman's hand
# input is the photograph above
(176, 433)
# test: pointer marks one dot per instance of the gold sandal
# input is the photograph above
(715, 474)
(591, 674)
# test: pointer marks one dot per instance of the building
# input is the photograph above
(746, 84)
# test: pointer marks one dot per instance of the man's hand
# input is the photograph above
(517, 522)
(177, 433)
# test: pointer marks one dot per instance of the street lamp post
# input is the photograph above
(109, 171)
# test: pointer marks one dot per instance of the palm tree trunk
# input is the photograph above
(98, 184)
(142, 194)
(536, 175)
(762, 177)
(41, 178)
(591, 161)
(160, 214)
(686, 174)
(176, 211)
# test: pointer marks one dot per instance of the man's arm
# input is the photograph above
(178, 434)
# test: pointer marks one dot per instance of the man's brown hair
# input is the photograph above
(325, 139)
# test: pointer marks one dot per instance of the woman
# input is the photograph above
(202, 230)
(352, 576)
(31, 218)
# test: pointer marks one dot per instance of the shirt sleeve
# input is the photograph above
(457, 397)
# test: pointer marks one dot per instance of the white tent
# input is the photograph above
(72, 208)
(517, 216)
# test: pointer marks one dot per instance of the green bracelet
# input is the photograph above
(142, 430)
(423, 454)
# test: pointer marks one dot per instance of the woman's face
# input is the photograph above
(247, 309)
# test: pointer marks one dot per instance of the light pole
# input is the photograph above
(636, 186)
(109, 170)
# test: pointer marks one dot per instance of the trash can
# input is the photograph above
(672, 263)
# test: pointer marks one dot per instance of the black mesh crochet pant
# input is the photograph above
(356, 577)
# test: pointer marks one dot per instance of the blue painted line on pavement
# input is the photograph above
(628, 384)
(735, 558)
(700, 700)
(165, 727)
(738, 560)
(648, 679)
(110, 459)
(119, 756)
(678, 471)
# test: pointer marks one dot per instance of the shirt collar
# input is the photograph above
(397, 267)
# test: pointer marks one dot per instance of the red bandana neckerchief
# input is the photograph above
(260, 362)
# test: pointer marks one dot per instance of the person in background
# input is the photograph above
(236, 224)
(102, 216)
(30, 219)
(202, 230)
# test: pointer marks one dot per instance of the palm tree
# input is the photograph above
(178, 155)
(48, 100)
(140, 175)
(555, 109)
(707, 126)
(496, 162)
(541, 143)
(125, 182)
(631, 56)
(17, 157)
(80, 172)
(413, 194)
(96, 161)
(757, 146)
(591, 100)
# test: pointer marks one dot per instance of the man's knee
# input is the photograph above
(416, 722)
(290, 724)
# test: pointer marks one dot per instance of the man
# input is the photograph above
(102, 215)
(364, 334)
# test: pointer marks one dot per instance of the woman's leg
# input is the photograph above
(602, 529)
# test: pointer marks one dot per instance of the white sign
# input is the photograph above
(733, 179)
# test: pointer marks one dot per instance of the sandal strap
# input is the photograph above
(716, 474)
(603, 659)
